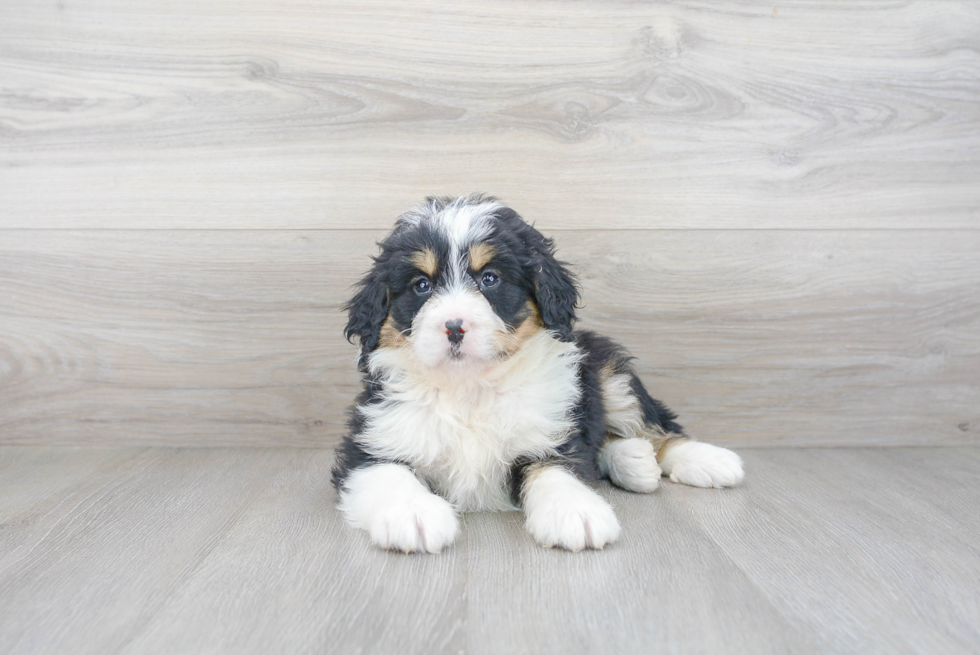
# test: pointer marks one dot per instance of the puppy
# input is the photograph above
(479, 395)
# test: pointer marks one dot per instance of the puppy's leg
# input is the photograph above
(627, 456)
(635, 417)
(699, 464)
(399, 513)
(562, 511)
(630, 464)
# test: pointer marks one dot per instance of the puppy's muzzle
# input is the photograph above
(455, 331)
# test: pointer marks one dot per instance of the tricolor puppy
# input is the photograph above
(479, 395)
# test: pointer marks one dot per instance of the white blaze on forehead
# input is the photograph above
(462, 222)
(462, 226)
(465, 224)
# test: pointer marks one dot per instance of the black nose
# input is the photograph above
(455, 331)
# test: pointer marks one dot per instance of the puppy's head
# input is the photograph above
(461, 282)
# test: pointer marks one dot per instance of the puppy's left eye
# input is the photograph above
(489, 280)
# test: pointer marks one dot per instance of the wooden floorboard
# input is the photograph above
(31, 476)
(850, 550)
(235, 338)
(84, 573)
(664, 587)
(290, 577)
(241, 551)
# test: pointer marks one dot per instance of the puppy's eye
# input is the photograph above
(489, 280)
(423, 287)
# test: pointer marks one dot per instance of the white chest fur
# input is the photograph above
(463, 432)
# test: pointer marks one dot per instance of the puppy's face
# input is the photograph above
(457, 302)
(461, 283)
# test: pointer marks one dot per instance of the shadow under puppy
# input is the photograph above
(478, 394)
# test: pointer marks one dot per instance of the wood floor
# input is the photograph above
(240, 550)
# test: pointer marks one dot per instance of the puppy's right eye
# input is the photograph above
(423, 287)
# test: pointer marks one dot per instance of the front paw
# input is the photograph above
(426, 524)
(397, 511)
(561, 511)
(702, 465)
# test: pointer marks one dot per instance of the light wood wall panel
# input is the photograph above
(234, 337)
(248, 114)
(777, 207)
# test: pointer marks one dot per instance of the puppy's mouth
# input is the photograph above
(455, 352)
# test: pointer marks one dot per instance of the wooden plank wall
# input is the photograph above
(777, 208)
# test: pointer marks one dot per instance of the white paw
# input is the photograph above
(631, 464)
(397, 511)
(427, 524)
(562, 511)
(702, 465)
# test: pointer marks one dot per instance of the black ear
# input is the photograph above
(367, 310)
(555, 289)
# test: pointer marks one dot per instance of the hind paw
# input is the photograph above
(702, 465)
(631, 464)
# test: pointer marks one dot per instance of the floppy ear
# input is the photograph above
(555, 290)
(367, 310)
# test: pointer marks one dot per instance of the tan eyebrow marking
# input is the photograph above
(480, 255)
(426, 261)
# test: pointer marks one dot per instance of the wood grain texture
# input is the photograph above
(291, 577)
(191, 114)
(633, 597)
(32, 476)
(114, 547)
(695, 148)
(755, 337)
(241, 551)
(867, 550)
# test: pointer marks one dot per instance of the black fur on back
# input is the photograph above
(602, 351)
